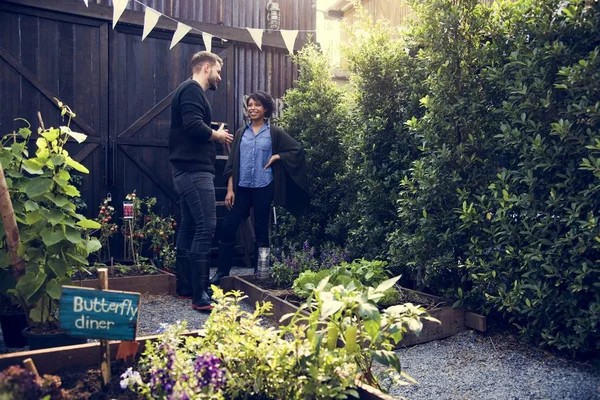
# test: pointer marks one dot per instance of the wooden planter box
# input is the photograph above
(453, 320)
(52, 361)
(163, 283)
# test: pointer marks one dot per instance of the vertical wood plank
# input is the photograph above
(104, 346)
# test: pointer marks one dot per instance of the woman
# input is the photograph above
(265, 165)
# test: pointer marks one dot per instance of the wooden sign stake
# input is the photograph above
(30, 366)
(104, 346)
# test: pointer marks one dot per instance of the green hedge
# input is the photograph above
(471, 159)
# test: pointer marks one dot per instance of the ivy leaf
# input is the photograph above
(38, 186)
(32, 217)
(33, 166)
(31, 205)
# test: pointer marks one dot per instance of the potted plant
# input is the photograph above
(47, 241)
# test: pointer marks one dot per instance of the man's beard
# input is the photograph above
(212, 83)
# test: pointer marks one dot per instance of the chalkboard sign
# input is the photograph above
(100, 314)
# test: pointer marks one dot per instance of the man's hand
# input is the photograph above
(229, 199)
(273, 158)
(222, 135)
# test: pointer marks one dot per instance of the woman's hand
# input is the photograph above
(273, 158)
(229, 199)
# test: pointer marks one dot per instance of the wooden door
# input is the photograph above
(46, 55)
(143, 76)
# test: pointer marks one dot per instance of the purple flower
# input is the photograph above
(208, 371)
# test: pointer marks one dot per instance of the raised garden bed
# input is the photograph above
(453, 320)
(71, 360)
(162, 282)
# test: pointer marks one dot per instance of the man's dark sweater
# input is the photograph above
(189, 146)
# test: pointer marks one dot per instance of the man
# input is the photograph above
(192, 154)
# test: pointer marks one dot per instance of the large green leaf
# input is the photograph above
(385, 285)
(73, 235)
(33, 217)
(52, 236)
(58, 159)
(58, 266)
(59, 201)
(330, 308)
(31, 205)
(71, 190)
(369, 311)
(53, 289)
(53, 216)
(50, 135)
(38, 186)
(79, 137)
(30, 283)
(77, 257)
(89, 224)
(93, 245)
(77, 166)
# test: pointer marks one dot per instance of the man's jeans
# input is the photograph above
(198, 210)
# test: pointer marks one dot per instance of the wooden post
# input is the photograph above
(13, 239)
(30, 366)
(104, 346)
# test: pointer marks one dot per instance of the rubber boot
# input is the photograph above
(224, 262)
(184, 287)
(199, 269)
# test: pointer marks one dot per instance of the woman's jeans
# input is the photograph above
(198, 210)
(245, 198)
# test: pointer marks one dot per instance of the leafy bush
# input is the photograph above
(292, 263)
(386, 88)
(315, 116)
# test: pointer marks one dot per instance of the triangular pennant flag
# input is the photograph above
(257, 35)
(207, 37)
(182, 30)
(150, 19)
(86, 3)
(289, 38)
(118, 7)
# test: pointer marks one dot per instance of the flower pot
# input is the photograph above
(12, 325)
(47, 340)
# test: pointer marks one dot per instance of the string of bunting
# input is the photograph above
(152, 16)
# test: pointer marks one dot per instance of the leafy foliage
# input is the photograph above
(18, 383)
(315, 116)
(55, 240)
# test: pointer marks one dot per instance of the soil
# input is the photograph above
(287, 294)
(87, 383)
(119, 271)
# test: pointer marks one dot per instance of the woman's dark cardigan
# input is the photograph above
(289, 173)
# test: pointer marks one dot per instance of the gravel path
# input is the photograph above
(469, 365)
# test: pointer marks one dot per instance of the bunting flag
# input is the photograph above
(257, 35)
(207, 37)
(150, 19)
(289, 38)
(182, 30)
(118, 7)
(86, 3)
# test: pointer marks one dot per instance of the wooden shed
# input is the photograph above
(120, 86)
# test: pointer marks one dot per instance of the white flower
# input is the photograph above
(130, 377)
